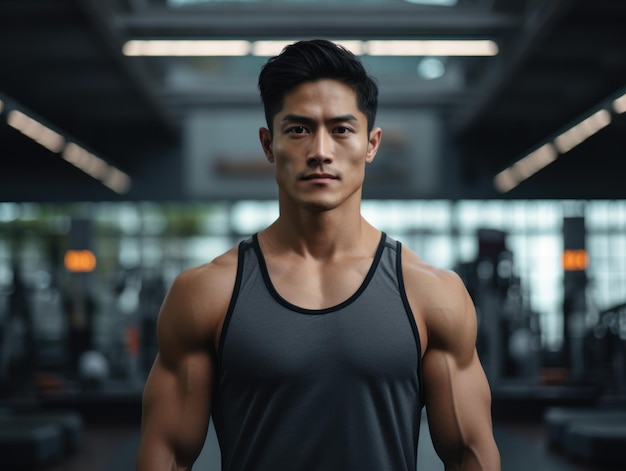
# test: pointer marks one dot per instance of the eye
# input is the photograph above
(342, 130)
(296, 130)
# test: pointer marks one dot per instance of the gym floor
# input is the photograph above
(522, 446)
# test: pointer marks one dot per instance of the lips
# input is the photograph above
(319, 176)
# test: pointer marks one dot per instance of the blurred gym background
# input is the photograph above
(129, 152)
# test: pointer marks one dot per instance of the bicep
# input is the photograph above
(458, 398)
(176, 399)
(458, 404)
(176, 409)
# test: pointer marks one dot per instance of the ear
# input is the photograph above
(374, 142)
(265, 136)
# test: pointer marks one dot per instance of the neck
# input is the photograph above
(322, 235)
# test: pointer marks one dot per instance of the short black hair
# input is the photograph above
(311, 60)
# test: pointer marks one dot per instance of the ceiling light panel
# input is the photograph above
(38, 132)
(582, 131)
(619, 105)
(418, 48)
(442, 48)
(185, 48)
(185, 3)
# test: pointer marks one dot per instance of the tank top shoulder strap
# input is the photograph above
(396, 247)
(243, 249)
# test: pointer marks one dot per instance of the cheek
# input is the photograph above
(284, 162)
(357, 153)
(283, 151)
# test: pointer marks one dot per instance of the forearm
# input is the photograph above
(163, 448)
(151, 458)
(459, 412)
(486, 458)
(174, 422)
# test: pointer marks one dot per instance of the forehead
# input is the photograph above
(324, 96)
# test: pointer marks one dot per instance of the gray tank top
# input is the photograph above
(330, 389)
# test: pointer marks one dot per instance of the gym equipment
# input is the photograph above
(598, 442)
(30, 445)
(559, 419)
(607, 343)
(509, 337)
(93, 368)
(31, 440)
(594, 435)
(71, 424)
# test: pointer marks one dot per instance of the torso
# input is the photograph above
(329, 286)
(331, 358)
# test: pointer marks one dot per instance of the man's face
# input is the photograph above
(320, 145)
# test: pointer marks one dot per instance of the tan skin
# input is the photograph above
(319, 148)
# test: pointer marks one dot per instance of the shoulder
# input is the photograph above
(440, 302)
(197, 300)
(438, 287)
(207, 280)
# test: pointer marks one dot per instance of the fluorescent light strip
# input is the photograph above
(33, 129)
(117, 181)
(173, 48)
(92, 165)
(535, 161)
(582, 131)
(619, 105)
(527, 166)
(524, 168)
(505, 181)
(87, 162)
(441, 48)
(273, 48)
(443, 3)
(182, 3)
(181, 48)
(268, 48)
(96, 168)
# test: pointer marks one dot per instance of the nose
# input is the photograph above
(321, 150)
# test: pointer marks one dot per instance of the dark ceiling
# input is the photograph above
(559, 60)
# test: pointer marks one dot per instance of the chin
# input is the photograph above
(319, 206)
(325, 202)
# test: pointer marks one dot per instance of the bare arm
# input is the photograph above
(177, 395)
(457, 394)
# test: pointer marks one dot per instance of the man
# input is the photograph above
(315, 344)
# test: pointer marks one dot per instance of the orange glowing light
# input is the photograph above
(575, 260)
(80, 261)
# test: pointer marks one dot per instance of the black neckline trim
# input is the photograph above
(276, 295)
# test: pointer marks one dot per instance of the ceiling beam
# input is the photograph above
(258, 21)
(247, 96)
(102, 17)
(539, 21)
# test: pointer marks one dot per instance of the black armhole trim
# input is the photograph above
(233, 301)
(276, 295)
(409, 313)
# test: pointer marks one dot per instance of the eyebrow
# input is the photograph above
(294, 118)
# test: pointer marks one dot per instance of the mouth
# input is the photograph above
(319, 176)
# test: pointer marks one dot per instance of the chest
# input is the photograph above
(315, 285)
(367, 339)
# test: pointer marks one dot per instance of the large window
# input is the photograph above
(163, 239)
